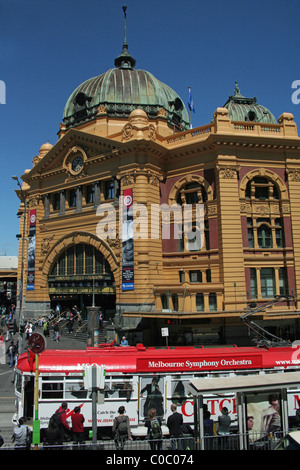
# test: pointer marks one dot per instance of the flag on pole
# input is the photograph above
(191, 101)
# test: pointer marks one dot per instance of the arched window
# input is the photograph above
(194, 240)
(192, 193)
(83, 261)
(261, 188)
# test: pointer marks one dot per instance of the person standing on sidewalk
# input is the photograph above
(174, 423)
(78, 426)
(121, 428)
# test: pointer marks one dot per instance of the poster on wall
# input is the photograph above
(31, 251)
(263, 415)
(127, 242)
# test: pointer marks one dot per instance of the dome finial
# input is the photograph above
(125, 41)
(236, 89)
(125, 60)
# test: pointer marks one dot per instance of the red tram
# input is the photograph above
(142, 378)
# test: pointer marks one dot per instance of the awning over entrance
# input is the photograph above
(253, 383)
(243, 387)
(179, 315)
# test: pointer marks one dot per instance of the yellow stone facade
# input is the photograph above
(199, 294)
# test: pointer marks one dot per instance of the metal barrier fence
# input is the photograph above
(210, 443)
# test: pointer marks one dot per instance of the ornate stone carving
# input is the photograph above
(294, 175)
(34, 201)
(128, 178)
(45, 245)
(152, 178)
(127, 132)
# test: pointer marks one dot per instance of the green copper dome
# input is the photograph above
(247, 109)
(121, 90)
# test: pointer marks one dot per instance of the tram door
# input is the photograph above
(28, 397)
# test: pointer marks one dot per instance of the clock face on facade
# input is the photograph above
(77, 164)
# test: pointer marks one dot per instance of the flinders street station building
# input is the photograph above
(104, 211)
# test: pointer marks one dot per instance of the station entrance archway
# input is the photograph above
(82, 276)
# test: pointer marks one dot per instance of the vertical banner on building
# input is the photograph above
(127, 242)
(31, 251)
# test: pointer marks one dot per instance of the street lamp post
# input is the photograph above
(21, 284)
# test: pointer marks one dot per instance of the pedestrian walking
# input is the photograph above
(174, 423)
(11, 351)
(121, 429)
(78, 427)
(101, 319)
(55, 336)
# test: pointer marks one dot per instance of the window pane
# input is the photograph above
(253, 282)
(70, 261)
(98, 263)
(264, 237)
(267, 282)
(283, 285)
(88, 259)
(79, 259)
(212, 302)
(175, 302)
(90, 194)
(61, 265)
(199, 302)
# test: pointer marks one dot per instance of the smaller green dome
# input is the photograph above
(247, 109)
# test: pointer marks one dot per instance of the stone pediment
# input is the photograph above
(72, 154)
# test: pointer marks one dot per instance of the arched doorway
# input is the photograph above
(81, 276)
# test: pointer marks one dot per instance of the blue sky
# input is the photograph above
(49, 47)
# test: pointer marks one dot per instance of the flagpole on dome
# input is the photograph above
(191, 106)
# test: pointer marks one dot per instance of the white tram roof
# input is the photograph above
(245, 383)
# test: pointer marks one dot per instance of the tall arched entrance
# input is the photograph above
(81, 276)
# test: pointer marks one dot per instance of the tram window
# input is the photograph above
(114, 388)
(153, 388)
(52, 390)
(75, 390)
(178, 390)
